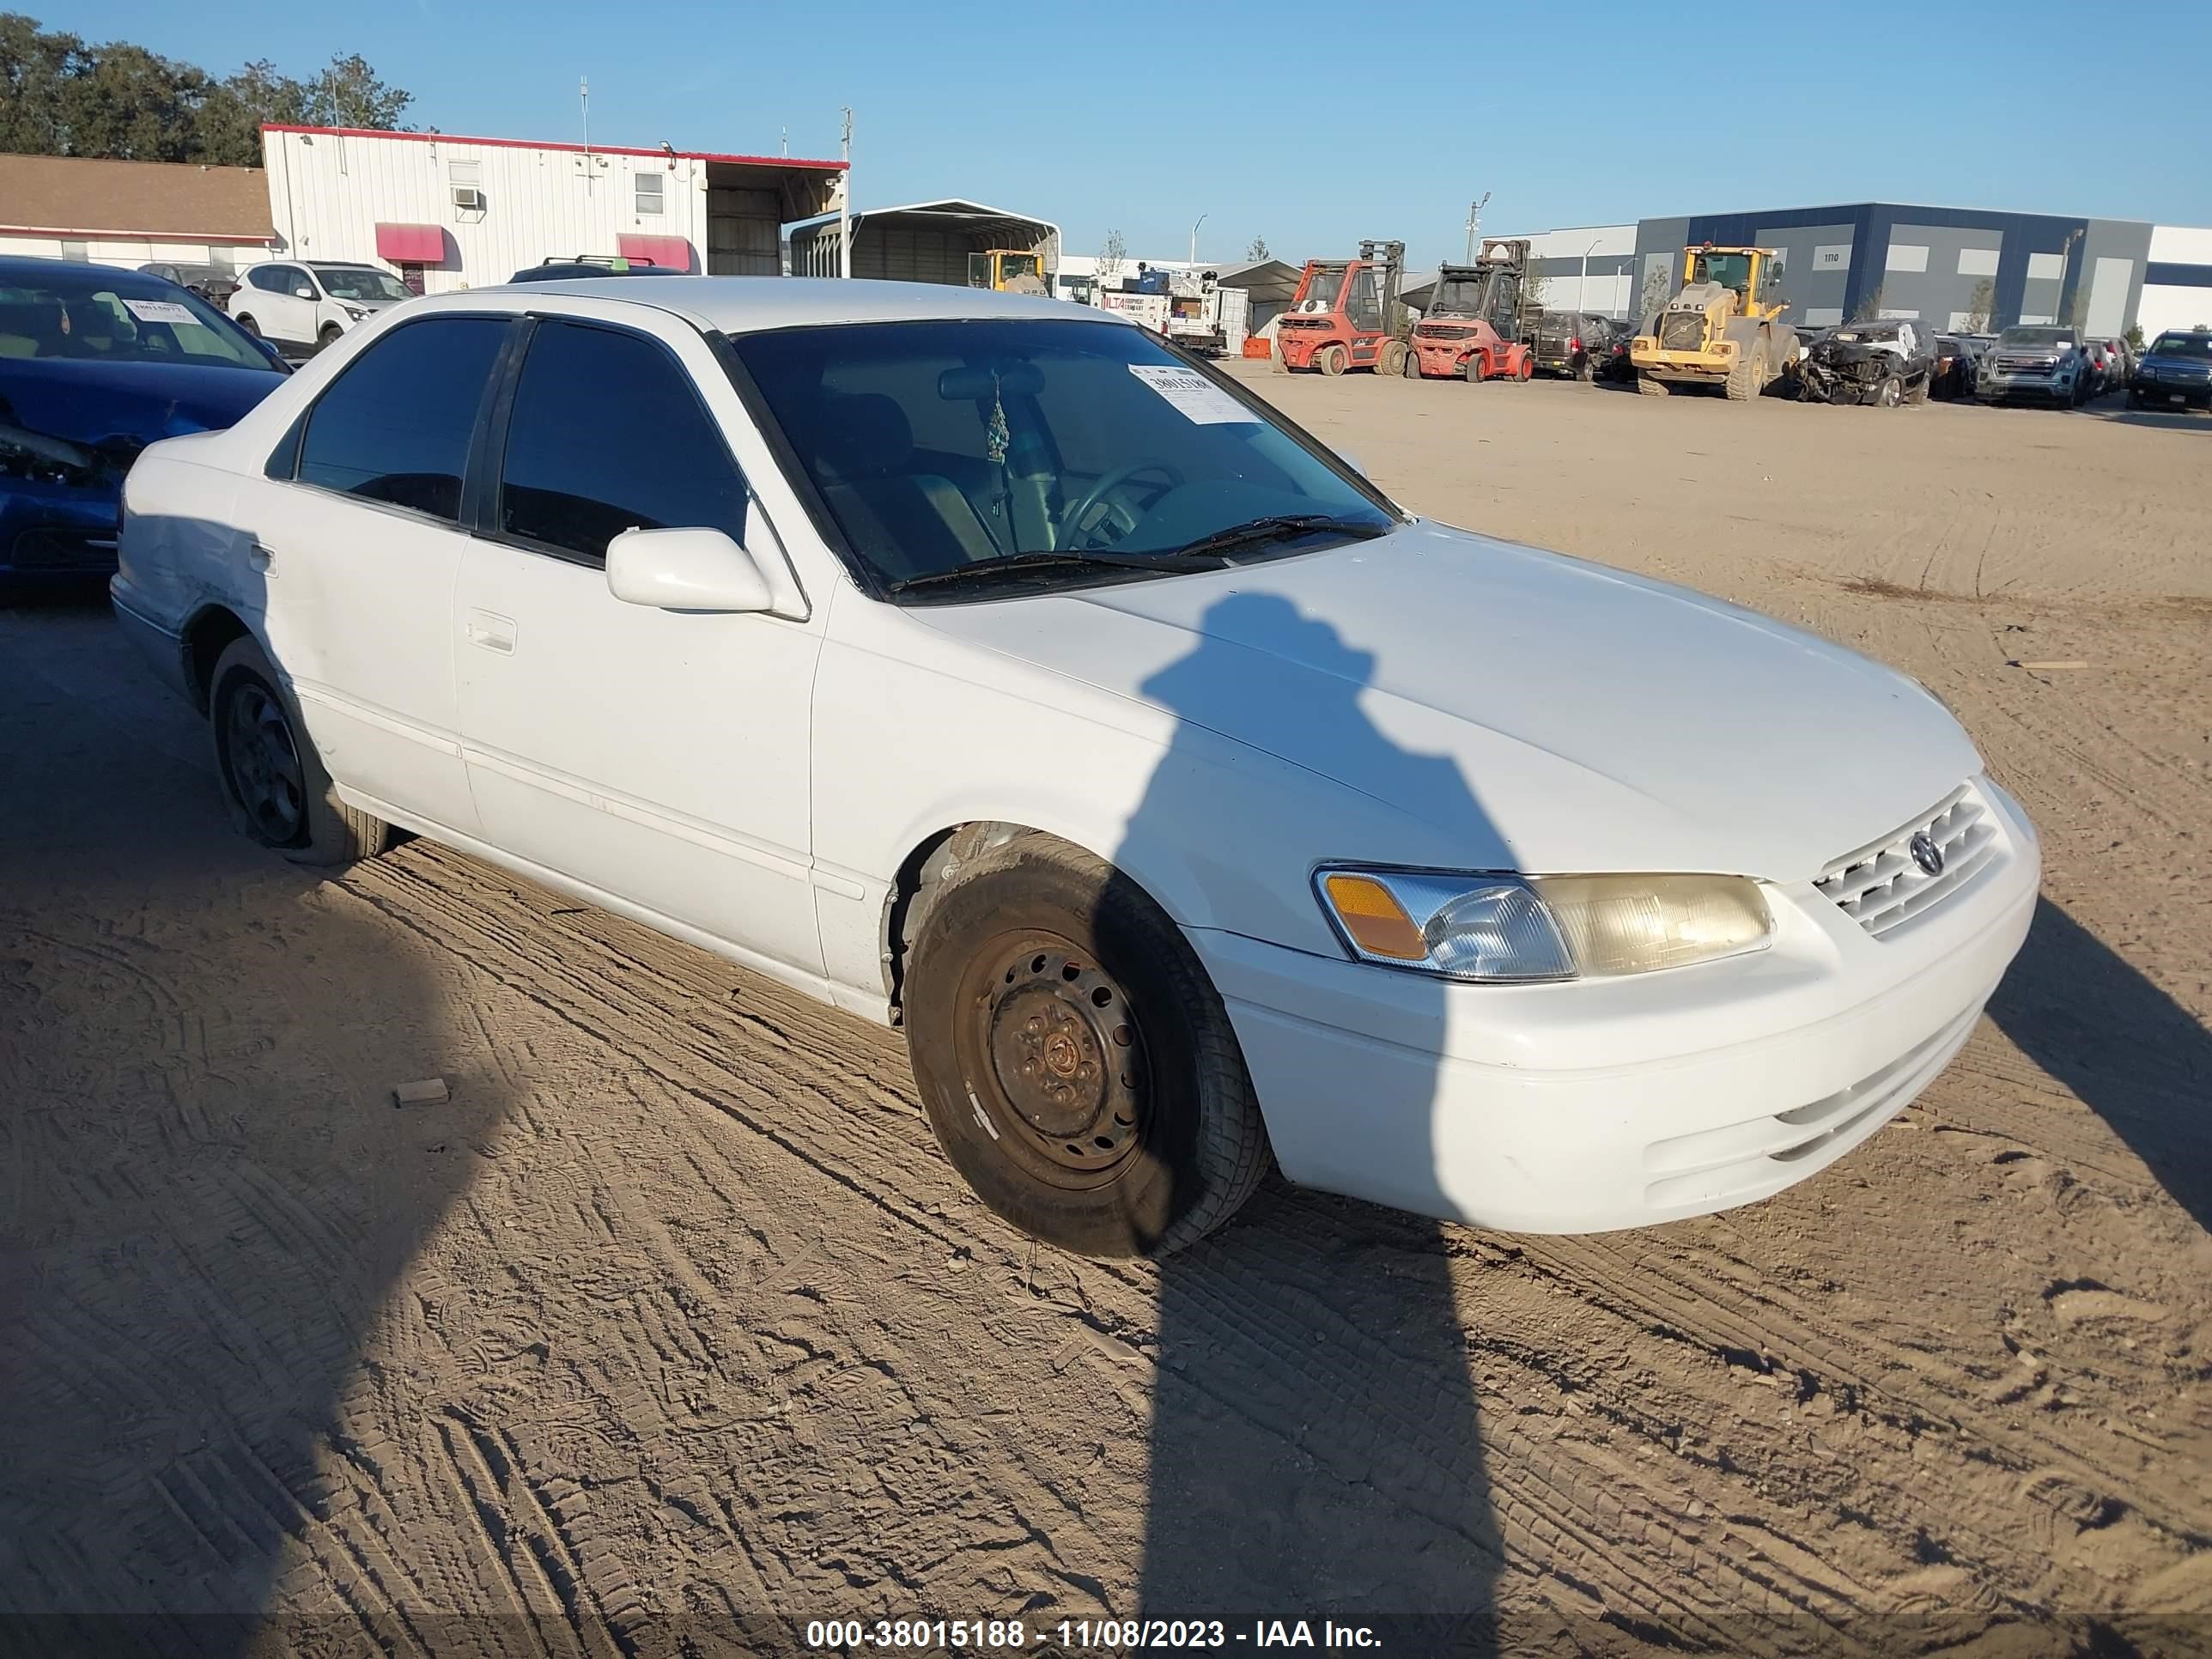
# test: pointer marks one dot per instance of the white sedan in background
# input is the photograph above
(990, 670)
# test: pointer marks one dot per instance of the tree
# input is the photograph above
(1113, 254)
(59, 96)
(2135, 337)
(1658, 275)
(1981, 306)
(1258, 251)
(1870, 305)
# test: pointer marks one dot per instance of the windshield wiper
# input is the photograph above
(1279, 527)
(1016, 564)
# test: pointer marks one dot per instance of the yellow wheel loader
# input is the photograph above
(1721, 330)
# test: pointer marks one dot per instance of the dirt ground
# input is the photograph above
(671, 1331)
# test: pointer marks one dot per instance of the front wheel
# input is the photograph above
(247, 323)
(1391, 358)
(330, 335)
(1076, 1064)
(273, 781)
(1889, 393)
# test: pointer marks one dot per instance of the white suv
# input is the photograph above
(303, 306)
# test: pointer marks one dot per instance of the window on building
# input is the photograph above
(648, 194)
(609, 435)
(396, 426)
(464, 172)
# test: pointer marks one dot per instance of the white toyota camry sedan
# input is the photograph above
(979, 665)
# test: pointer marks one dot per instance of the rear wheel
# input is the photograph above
(1918, 394)
(1281, 363)
(1410, 369)
(1476, 368)
(1333, 360)
(1650, 386)
(273, 781)
(1076, 1065)
(1585, 371)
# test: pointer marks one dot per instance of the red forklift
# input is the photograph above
(1345, 315)
(1474, 325)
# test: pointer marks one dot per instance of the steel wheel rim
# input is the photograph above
(264, 762)
(1052, 1056)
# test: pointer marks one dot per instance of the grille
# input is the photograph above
(64, 550)
(1442, 332)
(2027, 365)
(1882, 887)
(1682, 330)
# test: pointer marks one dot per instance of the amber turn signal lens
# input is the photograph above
(1378, 924)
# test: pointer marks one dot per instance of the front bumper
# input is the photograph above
(2172, 394)
(56, 531)
(1590, 1106)
(2048, 388)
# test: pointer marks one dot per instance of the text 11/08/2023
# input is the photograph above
(1080, 1636)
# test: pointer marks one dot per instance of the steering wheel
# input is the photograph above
(1071, 520)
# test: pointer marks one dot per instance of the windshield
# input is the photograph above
(939, 445)
(360, 283)
(92, 314)
(1728, 269)
(1322, 290)
(1011, 265)
(2036, 337)
(2183, 345)
(1457, 296)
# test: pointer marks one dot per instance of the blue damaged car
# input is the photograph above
(95, 364)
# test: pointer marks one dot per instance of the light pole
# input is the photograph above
(1475, 223)
(845, 202)
(2065, 256)
(1194, 241)
(1582, 276)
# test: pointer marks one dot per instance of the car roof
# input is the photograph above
(29, 268)
(750, 305)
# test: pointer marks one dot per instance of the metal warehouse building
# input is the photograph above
(921, 241)
(451, 212)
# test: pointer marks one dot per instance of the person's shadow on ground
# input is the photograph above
(1314, 1451)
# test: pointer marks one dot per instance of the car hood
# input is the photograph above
(2174, 362)
(119, 408)
(1591, 720)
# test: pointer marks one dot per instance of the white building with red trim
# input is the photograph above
(450, 212)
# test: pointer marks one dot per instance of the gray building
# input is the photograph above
(1947, 267)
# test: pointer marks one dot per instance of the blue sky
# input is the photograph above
(1310, 124)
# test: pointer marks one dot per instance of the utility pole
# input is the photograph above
(1194, 241)
(845, 203)
(1475, 223)
(584, 96)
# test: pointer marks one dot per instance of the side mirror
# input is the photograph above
(685, 570)
(303, 293)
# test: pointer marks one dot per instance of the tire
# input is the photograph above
(1280, 364)
(330, 335)
(273, 782)
(1475, 369)
(1919, 395)
(1410, 369)
(247, 323)
(1585, 371)
(1035, 933)
(1391, 358)
(1333, 360)
(1528, 368)
(1889, 393)
(1651, 387)
(1747, 375)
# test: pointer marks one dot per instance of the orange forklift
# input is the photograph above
(1345, 315)
(1475, 324)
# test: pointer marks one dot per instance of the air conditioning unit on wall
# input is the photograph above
(469, 198)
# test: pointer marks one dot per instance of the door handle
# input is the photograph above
(491, 631)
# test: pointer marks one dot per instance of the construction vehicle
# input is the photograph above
(1007, 270)
(1345, 315)
(1476, 323)
(1722, 330)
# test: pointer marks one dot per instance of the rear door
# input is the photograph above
(275, 305)
(358, 543)
(658, 757)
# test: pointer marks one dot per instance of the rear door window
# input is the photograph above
(397, 425)
(608, 434)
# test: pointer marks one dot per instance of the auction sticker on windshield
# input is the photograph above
(159, 311)
(1199, 398)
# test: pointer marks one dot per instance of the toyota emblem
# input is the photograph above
(1926, 853)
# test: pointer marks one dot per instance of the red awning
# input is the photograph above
(411, 245)
(671, 251)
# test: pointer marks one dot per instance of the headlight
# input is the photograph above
(354, 314)
(1504, 929)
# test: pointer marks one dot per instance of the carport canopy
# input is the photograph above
(1269, 282)
(921, 241)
